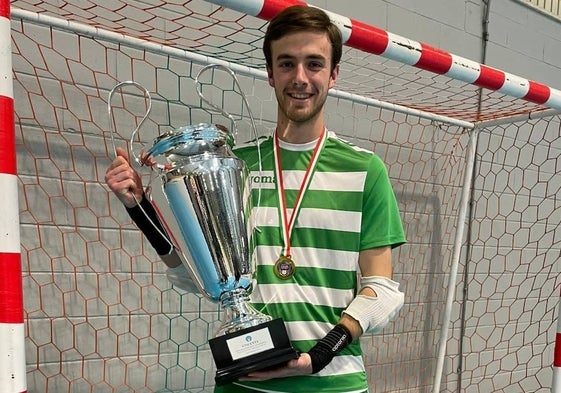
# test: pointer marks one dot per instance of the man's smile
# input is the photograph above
(300, 96)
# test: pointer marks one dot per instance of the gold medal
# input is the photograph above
(284, 268)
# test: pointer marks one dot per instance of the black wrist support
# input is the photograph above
(145, 217)
(324, 351)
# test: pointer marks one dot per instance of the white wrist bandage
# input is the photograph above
(373, 313)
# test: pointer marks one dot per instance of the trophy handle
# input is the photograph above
(218, 109)
(198, 85)
(135, 131)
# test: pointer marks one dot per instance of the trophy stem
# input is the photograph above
(240, 314)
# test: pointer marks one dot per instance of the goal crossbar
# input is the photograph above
(377, 41)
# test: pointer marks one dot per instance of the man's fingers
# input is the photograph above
(122, 153)
(117, 162)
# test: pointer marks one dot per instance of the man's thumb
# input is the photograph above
(122, 153)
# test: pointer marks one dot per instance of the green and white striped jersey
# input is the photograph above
(348, 206)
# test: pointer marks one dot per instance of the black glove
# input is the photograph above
(145, 217)
(325, 350)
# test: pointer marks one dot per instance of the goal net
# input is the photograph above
(474, 170)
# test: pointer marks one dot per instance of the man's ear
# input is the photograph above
(333, 77)
(270, 76)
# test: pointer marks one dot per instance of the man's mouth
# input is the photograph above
(300, 96)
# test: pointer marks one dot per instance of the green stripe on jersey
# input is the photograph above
(326, 313)
(328, 278)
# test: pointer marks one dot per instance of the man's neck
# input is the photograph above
(299, 133)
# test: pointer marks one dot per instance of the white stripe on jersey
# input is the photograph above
(338, 181)
(307, 330)
(323, 181)
(340, 220)
(343, 365)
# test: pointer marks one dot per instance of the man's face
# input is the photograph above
(301, 75)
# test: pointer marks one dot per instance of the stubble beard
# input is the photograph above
(302, 116)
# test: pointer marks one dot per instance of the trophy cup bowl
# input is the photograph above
(207, 190)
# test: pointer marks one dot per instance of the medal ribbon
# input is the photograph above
(288, 224)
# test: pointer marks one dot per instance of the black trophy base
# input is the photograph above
(255, 348)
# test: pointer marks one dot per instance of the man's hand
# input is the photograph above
(300, 366)
(123, 180)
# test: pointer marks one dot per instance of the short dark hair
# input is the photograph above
(300, 18)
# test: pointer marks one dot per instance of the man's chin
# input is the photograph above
(300, 119)
(300, 115)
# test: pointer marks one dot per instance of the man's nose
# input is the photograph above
(300, 75)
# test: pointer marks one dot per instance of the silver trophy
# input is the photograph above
(206, 187)
(207, 190)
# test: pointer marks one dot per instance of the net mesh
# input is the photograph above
(224, 34)
(100, 313)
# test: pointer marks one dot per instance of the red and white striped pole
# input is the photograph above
(556, 385)
(373, 40)
(12, 333)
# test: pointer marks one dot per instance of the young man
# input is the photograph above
(332, 210)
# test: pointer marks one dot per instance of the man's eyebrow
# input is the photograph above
(284, 56)
(311, 57)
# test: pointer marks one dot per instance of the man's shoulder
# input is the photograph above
(350, 149)
(252, 151)
(251, 145)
